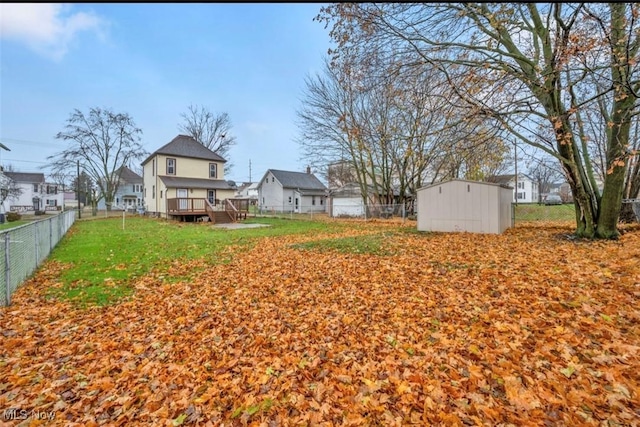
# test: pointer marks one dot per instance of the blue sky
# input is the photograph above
(152, 61)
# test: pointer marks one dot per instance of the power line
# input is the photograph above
(29, 142)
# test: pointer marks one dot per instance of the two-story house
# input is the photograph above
(286, 191)
(129, 193)
(525, 189)
(184, 180)
(35, 193)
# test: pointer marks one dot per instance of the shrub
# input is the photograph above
(40, 212)
(13, 216)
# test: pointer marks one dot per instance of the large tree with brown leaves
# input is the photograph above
(533, 67)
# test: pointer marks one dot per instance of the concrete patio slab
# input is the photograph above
(237, 225)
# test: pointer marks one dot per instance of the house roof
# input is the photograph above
(177, 182)
(298, 180)
(128, 175)
(33, 177)
(506, 179)
(186, 146)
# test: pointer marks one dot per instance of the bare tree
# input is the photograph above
(524, 65)
(209, 129)
(544, 171)
(8, 188)
(102, 142)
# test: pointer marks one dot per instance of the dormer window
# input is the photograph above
(171, 166)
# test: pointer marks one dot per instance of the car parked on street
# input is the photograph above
(553, 199)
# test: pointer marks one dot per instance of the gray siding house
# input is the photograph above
(129, 194)
(285, 191)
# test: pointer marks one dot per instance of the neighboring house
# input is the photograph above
(36, 194)
(248, 190)
(461, 205)
(524, 191)
(129, 194)
(285, 191)
(183, 179)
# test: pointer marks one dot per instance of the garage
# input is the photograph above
(460, 205)
(346, 201)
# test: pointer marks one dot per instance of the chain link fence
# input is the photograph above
(344, 211)
(524, 214)
(23, 248)
(635, 207)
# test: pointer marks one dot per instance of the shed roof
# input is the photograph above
(301, 180)
(435, 184)
(186, 146)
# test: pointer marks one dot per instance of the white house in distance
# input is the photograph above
(286, 191)
(460, 205)
(526, 190)
(36, 194)
(248, 190)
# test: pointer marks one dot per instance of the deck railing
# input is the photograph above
(186, 205)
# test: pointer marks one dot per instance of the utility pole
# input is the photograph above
(250, 170)
(515, 153)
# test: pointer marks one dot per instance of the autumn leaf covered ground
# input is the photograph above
(351, 324)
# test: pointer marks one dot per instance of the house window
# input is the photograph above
(52, 202)
(521, 196)
(161, 194)
(145, 192)
(313, 200)
(35, 188)
(273, 179)
(153, 167)
(153, 192)
(213, 170)
(289, 199)
(117, 200)
(137, 188)
(171, 166)
(321, 201)
(52, 189)
(521, 185)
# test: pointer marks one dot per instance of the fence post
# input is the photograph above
(7, 274)
(37, 245)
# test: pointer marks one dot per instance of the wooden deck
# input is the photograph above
(232, 210)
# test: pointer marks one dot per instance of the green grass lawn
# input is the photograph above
(103, 258)
(13, 224)
(536, 212)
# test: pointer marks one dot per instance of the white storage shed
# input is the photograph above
(461, 205)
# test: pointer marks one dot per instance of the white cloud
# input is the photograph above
(46, 28)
